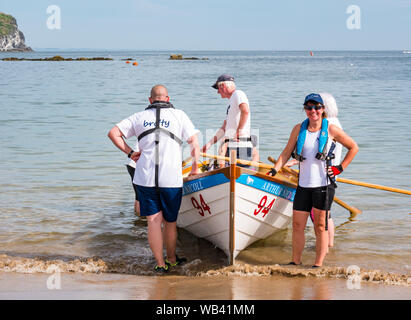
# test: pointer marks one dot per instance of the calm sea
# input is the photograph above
(65, 193)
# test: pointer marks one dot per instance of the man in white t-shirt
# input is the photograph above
(236, 126)
(160, 130)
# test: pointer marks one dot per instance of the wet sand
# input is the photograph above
(117, 286)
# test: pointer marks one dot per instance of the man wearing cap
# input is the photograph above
(236, 126)
(160, 131)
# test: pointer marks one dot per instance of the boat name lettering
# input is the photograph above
(193, 187)
(277, 190)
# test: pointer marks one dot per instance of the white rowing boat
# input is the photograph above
(233, 207)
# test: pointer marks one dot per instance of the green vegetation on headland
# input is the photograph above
(7, 24)
(11, 38)
(57, 58)
(180, 57)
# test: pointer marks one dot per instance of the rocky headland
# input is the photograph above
(11, 38)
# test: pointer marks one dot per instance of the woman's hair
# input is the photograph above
(330, 105)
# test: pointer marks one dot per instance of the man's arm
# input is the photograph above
(116, 136)
(245, 111)
(219, 134)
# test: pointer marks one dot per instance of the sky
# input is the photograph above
(215, 25)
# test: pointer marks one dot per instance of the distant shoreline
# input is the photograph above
(58, 58)
(41, 50)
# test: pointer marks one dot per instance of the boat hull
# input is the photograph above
(235, 207)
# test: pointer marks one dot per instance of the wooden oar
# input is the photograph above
(185, 161)
(373, 186)
(239, 161)
(353, 210)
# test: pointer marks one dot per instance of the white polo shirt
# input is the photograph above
(233, 118)
(170, 172)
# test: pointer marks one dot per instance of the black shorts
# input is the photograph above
(307, 198)
(131, 170)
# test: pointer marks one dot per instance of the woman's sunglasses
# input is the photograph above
(309, 108)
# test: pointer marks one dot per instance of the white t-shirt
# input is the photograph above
(233, 118)
(173, 120)
(312, 171)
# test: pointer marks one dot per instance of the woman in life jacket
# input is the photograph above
(331, 109)
(312, 143)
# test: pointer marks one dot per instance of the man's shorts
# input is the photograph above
(167, 200)
(307, 198)
(131, 170)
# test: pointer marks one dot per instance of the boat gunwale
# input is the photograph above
(239, 171)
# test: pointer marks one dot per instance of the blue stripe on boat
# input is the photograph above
(267, 186)
(204, 183)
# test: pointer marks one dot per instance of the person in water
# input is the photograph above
(311, 143)
(331, 109)
(160, 131)
(236, 126)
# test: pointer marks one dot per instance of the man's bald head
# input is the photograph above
(159, 93)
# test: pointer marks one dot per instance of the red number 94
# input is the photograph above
(261, 206)
(201, 208)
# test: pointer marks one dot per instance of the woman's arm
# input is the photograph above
(340, 136)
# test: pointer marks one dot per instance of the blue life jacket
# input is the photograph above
(322, 143)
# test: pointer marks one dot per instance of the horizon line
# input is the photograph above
(210, 50)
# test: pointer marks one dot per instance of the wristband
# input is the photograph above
(131, 152)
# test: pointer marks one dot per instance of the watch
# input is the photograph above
(131, 152)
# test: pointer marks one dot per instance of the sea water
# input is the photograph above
(65, 194)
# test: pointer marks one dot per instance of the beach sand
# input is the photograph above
(117, 286)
